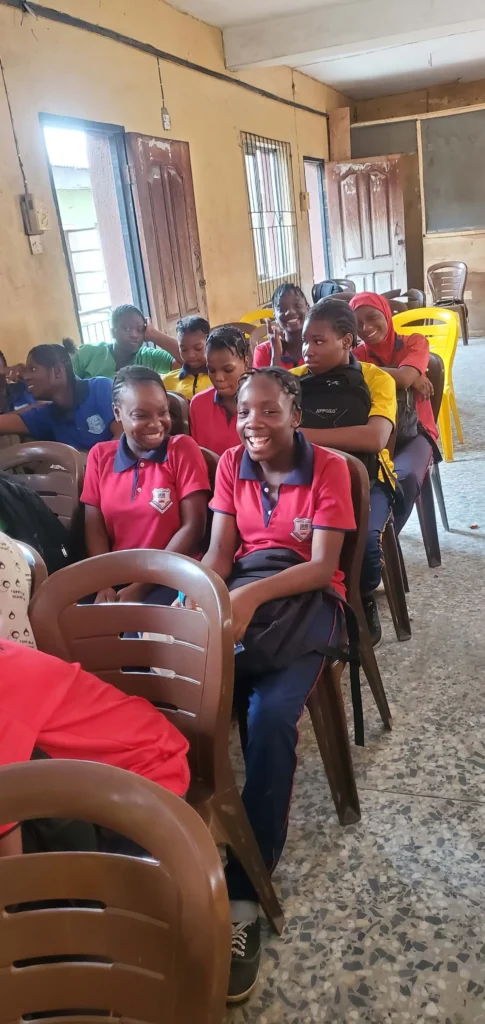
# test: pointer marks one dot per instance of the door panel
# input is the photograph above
(167, 221)
(366, 217)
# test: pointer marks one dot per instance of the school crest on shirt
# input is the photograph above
(161, 498)
(302, 529)
(95, 424)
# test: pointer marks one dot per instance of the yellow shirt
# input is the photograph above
(186, 383)
(382, 389)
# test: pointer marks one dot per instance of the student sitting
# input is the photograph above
(129, 330)
(77, 412)
(213, 412)
(192, 334)
(284, 346)
(352, 406)
(406, 360)
(281, 508)
(70, 713)
(13, 394)
(147, 490)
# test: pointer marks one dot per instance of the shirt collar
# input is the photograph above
(187, 372)
(301, 475)
(125, 459)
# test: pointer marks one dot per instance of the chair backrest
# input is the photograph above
(447, 281)
(193, 654)
(179, 413)
(258, 316)
(245, 328)
(259, 335)
(154, 947)
(346, 284)
(211, 460)
(415, 298)
(55, 471)
(37, 566)
(392, 294)
(436, 374)
(333, 287)
(355, 541)
(440, 327)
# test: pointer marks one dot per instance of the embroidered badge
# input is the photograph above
(302, 529)
(161, 498)
(95, 424)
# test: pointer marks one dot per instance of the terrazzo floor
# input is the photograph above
(385, 920)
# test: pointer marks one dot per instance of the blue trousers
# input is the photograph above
(411, 465)
(276, 703)
(380, 510)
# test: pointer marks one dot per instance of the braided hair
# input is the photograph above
(228, 337)
(285, 380)
(131, 375)
(338, 314)
(287, 288)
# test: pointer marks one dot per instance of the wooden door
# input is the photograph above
(366, 220)
(161, 174)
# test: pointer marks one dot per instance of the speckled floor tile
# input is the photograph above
(385, 919)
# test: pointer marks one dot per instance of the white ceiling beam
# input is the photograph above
(345, 29)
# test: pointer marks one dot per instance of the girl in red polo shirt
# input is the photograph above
(406, 360)
(147, 490)
(281, 508)
(213, 412)
(284, 347)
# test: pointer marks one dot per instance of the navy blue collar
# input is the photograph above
(301, 475)
(187, 372)
(125, 459)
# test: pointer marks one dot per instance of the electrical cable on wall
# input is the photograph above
(14, 133)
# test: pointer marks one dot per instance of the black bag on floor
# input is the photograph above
(26, 517)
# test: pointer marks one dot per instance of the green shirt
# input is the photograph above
(98, 360)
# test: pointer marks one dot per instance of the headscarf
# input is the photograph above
(384, 351)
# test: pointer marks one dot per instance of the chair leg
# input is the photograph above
(403, 566)
(440, 498)
(229, 817)
(463, 323)
(456, 415)
(444, 422)
(427, 521)
(327, 712)
(393, 583)
(369, 663)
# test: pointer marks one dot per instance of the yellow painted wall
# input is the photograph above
(56, 69)
(421, 101)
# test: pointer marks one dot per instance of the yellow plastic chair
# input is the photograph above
(258, 316)
(443, 339)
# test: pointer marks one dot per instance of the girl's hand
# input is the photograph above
(243, 608)
(106, 596)
(276, 339)
(424, 387)
(135, 593)
(188, 603)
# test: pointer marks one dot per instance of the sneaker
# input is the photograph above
(372, 619)
(246, 951)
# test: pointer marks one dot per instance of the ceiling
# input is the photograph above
(363, 48)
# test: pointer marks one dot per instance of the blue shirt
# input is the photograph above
(82, 426)
(18, 396)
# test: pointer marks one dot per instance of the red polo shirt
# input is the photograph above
(262, 356)
(412, 350)
(210, 424)
(316, 495)
(70, 713)
(140, 498)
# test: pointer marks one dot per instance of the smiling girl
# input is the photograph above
(284, 347)
(147, 490)
(213, 420)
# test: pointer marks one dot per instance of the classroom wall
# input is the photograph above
(421, 101)
(55, 69)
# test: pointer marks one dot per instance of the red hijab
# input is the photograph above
(384, 351)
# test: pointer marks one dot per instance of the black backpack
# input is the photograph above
(339, 398)
(26, 517)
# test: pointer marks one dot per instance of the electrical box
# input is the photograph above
(34, 215)
(304, 202)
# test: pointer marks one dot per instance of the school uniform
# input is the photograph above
(83, 426)
(186, 382)
(99, 361)
(263, 356)
(140, 497)
(382, 392)
(316, 495)
(211, 425)
(72, 714)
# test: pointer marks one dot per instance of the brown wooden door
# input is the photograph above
(366, 220)
(167, 222)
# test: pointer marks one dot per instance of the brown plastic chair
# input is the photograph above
(432, 481)
(394, 293)
(211, 460)
(196, 655)
(158, 939)
(37, 566)
(259, 335)
(447, 283)
(179, 413)
(414, 298)
(394, 574)
(56, 474)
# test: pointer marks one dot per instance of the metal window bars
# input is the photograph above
(269, 180)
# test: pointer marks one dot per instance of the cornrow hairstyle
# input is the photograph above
(51, 356)
(287, 288)
(121, 311)
(338, 314)
(286, 381)
(190, 325)
(129, 375)
(230, 338)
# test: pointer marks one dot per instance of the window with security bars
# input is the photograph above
(271, 211)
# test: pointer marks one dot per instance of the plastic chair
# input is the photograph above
(195, 653)
(436, 374)
(156, 945)
(245, 328)
(211, 460)
(447, 283)
(258, 316)
(56, 474)
(443, 340)
(37, 566)
(322, 289)
(179, 413)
